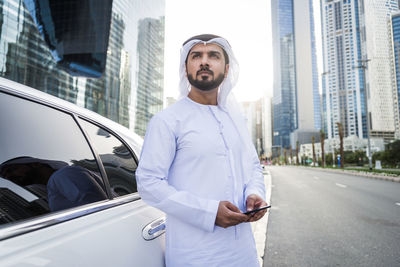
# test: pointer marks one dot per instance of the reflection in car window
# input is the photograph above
(118, 162)
(45, 162)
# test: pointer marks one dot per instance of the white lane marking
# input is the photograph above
(316, 178)
(398, 204)
(341, 185)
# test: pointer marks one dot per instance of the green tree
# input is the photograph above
(328, 159)
(391, 156)
(355, 158)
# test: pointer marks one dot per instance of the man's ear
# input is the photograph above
(226, 70)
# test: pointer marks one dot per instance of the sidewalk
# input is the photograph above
(260, 227)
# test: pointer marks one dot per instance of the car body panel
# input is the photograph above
(106, 239)
(104, 233)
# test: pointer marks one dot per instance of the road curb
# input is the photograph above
(395, 179)
(260, 227)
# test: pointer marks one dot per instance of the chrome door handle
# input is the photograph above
(154, 229)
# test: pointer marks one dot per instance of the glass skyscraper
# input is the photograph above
(26, 58)
(285, 93)
(296, 100)
(315, 84)
(150, 77)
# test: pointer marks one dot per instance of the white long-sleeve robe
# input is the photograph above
(192, 159)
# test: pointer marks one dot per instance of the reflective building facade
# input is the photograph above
(296, 101)
(76, 31)
(285, 93)
(45, 59)
(150, 77)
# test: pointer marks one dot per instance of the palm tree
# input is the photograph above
(285, 155)
(291, 154)
(313, 149)
(297, 153)
(279, 157)
(322, 137)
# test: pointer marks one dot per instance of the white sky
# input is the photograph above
(246, 24)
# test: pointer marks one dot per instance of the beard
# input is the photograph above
(205, 85)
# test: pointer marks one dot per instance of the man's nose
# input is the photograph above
(204, 60)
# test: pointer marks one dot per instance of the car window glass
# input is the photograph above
(45, 162)
(118, 162)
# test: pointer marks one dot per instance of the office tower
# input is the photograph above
(296, 100)
(266, 103)
(76, 32)
(356, 50)
(150, 47)
(109, 61)
(395, 32)
(253, 111)
(380, 84)
(249, 112)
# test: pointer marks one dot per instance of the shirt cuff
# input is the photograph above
(211, 215)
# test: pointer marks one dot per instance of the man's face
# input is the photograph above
(205, 67)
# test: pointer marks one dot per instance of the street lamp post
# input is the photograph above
(326, 73)
(364, 66)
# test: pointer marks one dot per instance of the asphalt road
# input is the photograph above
(328, 219)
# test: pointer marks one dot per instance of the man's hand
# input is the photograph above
(229, 215)
(253, 202)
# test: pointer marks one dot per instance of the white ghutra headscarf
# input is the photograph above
(225, 99)
(224, 93)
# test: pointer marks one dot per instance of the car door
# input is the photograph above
(56, 204)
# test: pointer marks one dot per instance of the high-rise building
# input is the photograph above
(395, 32)
(380, 82)
(149, 97)
(343, 85)
(357, 51)
(26, 57)
(76, 33)
(258, 116)
(249, 112)
(296, 100)
(266, 116)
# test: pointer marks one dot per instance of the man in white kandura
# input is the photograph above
(199, 166)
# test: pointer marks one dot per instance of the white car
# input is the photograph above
(68, 192)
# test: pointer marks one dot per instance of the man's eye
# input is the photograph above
(195, 56)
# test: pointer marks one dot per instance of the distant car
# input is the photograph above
(68, 192)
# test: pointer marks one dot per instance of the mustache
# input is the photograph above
(205, 69)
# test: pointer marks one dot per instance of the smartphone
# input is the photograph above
(257, 210)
